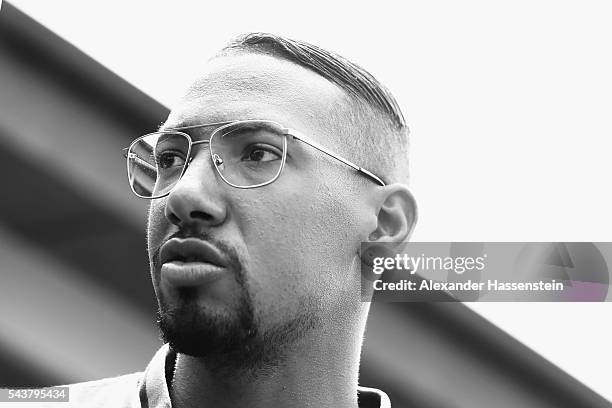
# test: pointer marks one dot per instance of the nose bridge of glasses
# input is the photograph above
(194, 149)
(198, 175)
(199, 150)
(197, 142)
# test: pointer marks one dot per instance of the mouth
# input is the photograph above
(190, 262)
(191, 250)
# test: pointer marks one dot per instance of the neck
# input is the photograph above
(320, 371)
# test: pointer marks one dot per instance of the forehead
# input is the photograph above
(257, 86)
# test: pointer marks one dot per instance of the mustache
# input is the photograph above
(229, 252)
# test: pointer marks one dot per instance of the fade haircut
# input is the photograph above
(373, 127)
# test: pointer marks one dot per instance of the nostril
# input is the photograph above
(200, 215)
(193, 216)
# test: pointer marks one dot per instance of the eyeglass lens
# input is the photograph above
(245, 154)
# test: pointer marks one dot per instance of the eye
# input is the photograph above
(261, 154)
(168, 159)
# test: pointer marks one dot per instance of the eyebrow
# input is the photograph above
(185, 126)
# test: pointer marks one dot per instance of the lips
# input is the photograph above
(191, 262)
(191, 250)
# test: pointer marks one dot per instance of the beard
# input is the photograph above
(233, 344)
(191, 328)
(235, 341)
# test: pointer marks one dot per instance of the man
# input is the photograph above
(279, 161)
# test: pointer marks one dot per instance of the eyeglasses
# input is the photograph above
(246, 154)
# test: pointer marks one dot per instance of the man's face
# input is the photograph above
(290, 248)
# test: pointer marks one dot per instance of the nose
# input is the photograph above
(197, 199)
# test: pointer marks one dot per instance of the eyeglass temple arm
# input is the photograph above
(143, 163)
(298, 136)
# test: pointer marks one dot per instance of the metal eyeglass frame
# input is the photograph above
(287, 132)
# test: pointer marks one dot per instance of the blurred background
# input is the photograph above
(528, 86)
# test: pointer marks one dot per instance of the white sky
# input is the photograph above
(509, 105)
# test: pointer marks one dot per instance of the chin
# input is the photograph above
(191, 324)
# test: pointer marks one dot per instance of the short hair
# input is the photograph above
(381, 142)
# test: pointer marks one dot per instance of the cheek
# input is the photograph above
(300, 244)
(156, 225)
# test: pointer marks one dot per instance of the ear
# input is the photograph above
(396, 218)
